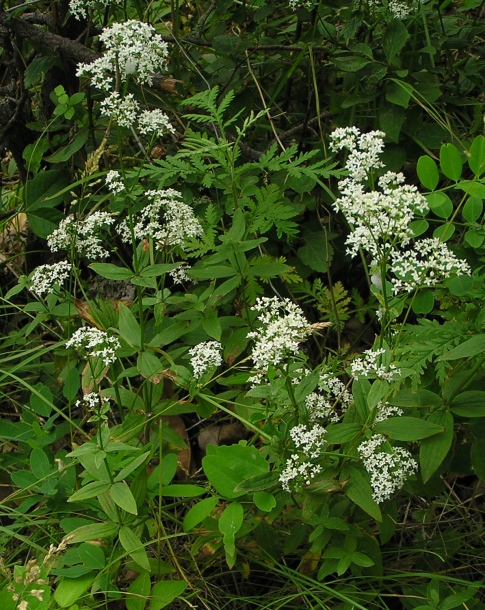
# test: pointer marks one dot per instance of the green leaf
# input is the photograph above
(450, 162)
(199, 512)
(111, 272)
(121, 495)
(472, 210)
(395, 37)
(69, 590)
(227, 466)
(91, 490)
(400, 95)
(36, 69)
(264, 501)
(231, 520)
(423, 302)
(258, 482)
(470, 403)
(211, 272)
(148, 365)
(460, 285)
(41, 400)
(138, 592)
(478, 459)
(358, 489)
(342, 433)
(39, 463)
(391, 119)
(306, 386)
(476, 160)
(470, 348)
(440, 204)
(317, 251)
(94, 531)
(428, 173)
(433, 450)
(134, 547)
(470, 187)
(43, 221)
(165, 591)
(268, 270)
(183, 491)
(418, 227)
(133, 465)
(92, 556)
(445, 232)
(158, 270)
(130, 330)
(66, 152)
(405, 428)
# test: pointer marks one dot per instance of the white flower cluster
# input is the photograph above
(371, 365)
(294, 4)
(388, 468)
(46, 277)
(154, 121)
(167, 220)
(114, 182)
(79, 8)
(205, 355)
(92, 402)
(283, 328)
(179, 274)
(132, 47)
(384, 411)
(94, 343)
(399, 10)
(427, 264)
(330, 402)
(82, 235)
(299, 470)
(381, 220)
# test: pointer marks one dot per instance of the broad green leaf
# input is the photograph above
(39, 463)
(470, 348)
(231, 520)
(69, 590)
(400, 95)
(476, 160)
(342, 433)
(445, 232)
(316, 252)
(138, 592)
(211, 272)
(460, 285)
(130, 330)
(158, 270)
(258, 482)
(91, 490)
(148, 364)
(92, 556)
(470, 403)
(350, 63)
(391, 119)
(111, 272)
(358, 489)
(183, 491)
(66, 152)
(478, 459)
(418, 227)
(395, 37)
(428, 173)
(227, 466)
(475, 189)
(264, 501)
(93, 531)
(15, 431)
(133, 465)
(122, 496)
(306, 386)
(423, 302)
(268, 270)
(165, 591)
(472, 210)
(199, 512)
(433, 450)
(405, 428)
(440, 204)
(450, 162)
(134, 547)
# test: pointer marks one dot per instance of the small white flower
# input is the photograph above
(299, 470)
(114, 182)
(388, 468)
(79, 8)
(154, 121)
(205, 355)
(384, 410)
(283, 327)
(371, 365)
(427, 264)
(123, 110)
(179, 274)
(167, 220)
(46, 277)
(82, 235)
(94, 343)
(92, 401)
